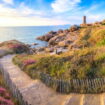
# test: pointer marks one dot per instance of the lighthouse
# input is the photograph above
(84, 19)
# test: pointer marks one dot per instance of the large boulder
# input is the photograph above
(55, 40)
(15, 46)
(60, 31)
(47, 37)
(64, 43)
(66, 31)
(74, 28)
(49, 49)
(40, 49)
(52, 41)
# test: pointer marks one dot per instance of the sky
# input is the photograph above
(50, 12)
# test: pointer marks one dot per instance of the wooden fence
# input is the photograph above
(76, 85)
(12, 87)
(62, 86)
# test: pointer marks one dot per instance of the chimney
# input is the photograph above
(84, 19)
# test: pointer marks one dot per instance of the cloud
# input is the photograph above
(7, 12)
(64, 5)
(64, 12)
(25, 16)
(8, 1)
(26, 11)
(21, 11)
(25, 21)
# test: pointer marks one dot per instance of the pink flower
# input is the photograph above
(5, 101)
(28, 62)
(15, 46)
(2, 90)
(7, 96)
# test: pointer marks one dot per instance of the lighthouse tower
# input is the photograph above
(84, 19)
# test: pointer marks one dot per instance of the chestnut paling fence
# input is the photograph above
(96, 85)
(60, 85)
(12, 87)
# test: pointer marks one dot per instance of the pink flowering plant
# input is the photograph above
(14, 45)
(4, 101)
(17, 48)
(2, 91)
(28, 62)
(5, 98)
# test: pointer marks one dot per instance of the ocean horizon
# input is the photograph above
(27, 34)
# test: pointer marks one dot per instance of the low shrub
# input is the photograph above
(14, 46)
(28, 62)
(5, 95)
(98, 37)
(84, 63)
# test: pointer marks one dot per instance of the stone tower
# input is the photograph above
(84, 19)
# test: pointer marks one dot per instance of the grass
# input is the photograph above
(87, 62)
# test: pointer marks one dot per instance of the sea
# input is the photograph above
(28, 34)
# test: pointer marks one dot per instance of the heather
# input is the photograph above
(6, 97)
(13, 47)
(85, 61)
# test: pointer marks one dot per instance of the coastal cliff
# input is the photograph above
(74, 38)
(77, 52)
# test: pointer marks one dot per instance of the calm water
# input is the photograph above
(27, 34)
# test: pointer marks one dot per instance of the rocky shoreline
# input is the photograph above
(59, 41)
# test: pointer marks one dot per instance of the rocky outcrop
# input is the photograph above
(55, 40)
(14, 46)
(49, 49)
(61, 39)
(47, 37)
(74, 28)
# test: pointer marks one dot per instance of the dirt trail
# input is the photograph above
(36, 93)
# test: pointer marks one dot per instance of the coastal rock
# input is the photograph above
(47, 37)
(15, 46)
(60, 50)
(66, 31)
(28, 45)
(49, 49)
(60, 31)
(40, 49)
(74, 28)
(52, 41)
(62, 34)
(61, 39)
(35, 44)
(97, 24)
(64, 43)
(55, 40)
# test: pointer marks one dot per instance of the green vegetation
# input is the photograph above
(86, 62)
(5, 95)
(12, 46)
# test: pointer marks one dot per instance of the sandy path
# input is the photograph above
(36, 93)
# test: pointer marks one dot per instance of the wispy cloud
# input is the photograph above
(64, 5)
(8, 1)
(58, 12)
(25, 16)
(24, 10)
(21, 11)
